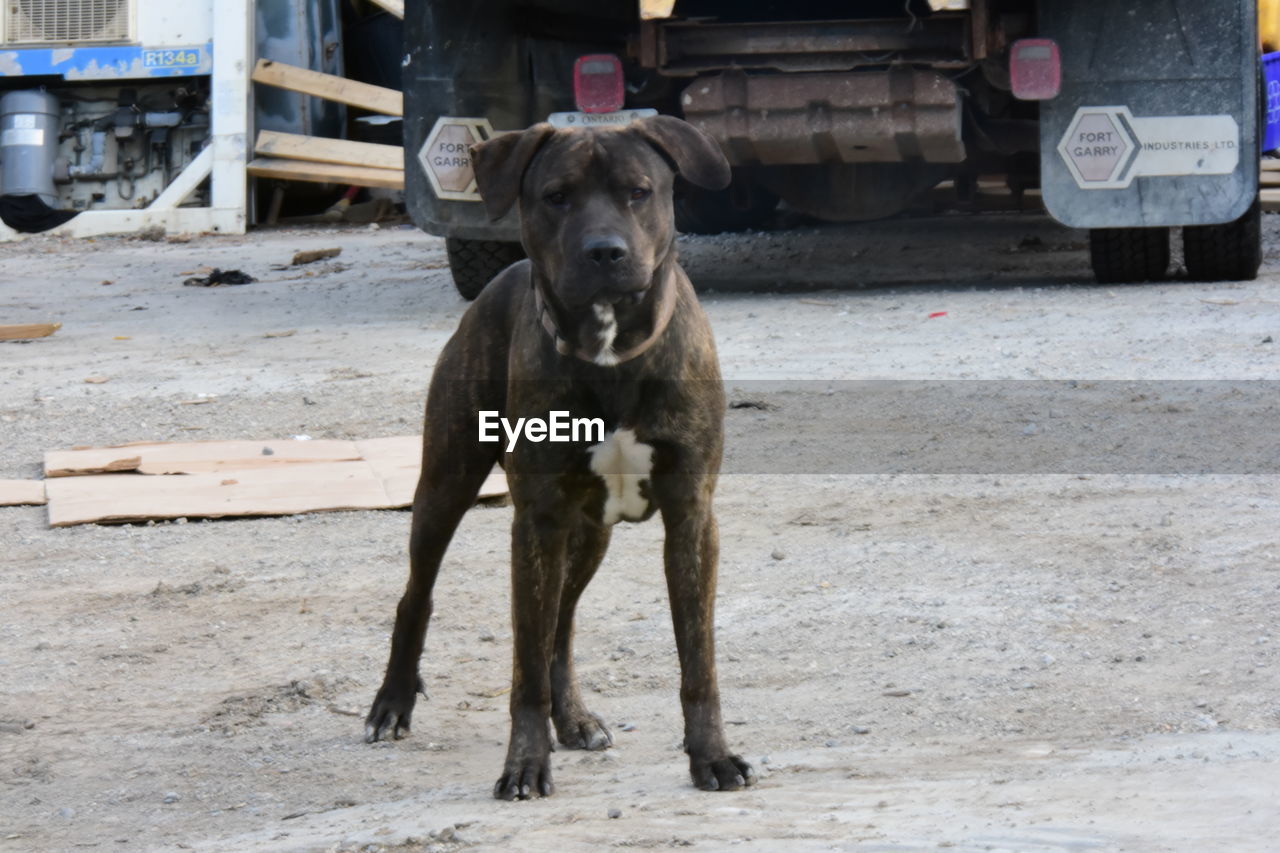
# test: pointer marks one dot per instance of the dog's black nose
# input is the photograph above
(604, 250)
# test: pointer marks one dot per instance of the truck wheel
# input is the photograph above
(1122, 255)
(474, 263)
(1228, 252)
(737, 208)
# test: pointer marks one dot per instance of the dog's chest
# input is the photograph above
(624, 464)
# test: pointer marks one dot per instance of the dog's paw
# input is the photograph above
(524, 780)
(723, 774)
(391, 712)
(584, 731)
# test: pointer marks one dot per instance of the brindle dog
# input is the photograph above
(600, 322)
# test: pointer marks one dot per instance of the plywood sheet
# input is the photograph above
(398, 462)
(194, 457)
(221, 479)
(21, 492)
(314, 487)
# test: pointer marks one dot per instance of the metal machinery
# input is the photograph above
(128, 113)
(1131, 117)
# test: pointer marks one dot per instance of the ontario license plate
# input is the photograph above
(598, 119)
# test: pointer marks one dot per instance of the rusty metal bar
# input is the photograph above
(693, 47)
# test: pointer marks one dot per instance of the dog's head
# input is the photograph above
(595, 204)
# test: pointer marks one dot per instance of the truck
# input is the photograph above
(1132, 118)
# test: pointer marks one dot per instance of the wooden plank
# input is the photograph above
(1269, 179)
(283, 490)
(376, 99)
(326, 173)
(395, 7)
(1270, 165)
(1270, 199)
(21, 492)
(193, 457)
(318, 149)
(27, 331)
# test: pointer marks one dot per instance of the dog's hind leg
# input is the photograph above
(576, 727)
(454, 466)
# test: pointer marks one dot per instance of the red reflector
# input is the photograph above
(597, 83)
(1035, 69)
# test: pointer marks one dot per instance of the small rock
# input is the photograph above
(171, 798)
(778, 554)
(487, 637)
(1205, 723)
(614, 814)
(832, 743)
(66, 813)
(861, 730)
(446, 834)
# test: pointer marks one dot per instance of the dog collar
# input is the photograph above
(664, 309)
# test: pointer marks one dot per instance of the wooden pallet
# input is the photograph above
(292, 157)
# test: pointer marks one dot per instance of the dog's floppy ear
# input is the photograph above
(697, 157)
(500, 164)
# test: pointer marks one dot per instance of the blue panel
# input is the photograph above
(107, 62)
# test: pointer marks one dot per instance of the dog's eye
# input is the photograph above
(556, 199)
(640, 194)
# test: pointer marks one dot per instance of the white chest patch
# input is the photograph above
(622, 462)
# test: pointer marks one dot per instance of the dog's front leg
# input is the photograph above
(537, 577)
(692, 551)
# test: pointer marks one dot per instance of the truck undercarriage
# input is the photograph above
(851, 110)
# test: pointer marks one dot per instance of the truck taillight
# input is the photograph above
(597, 83)
(1035, 69)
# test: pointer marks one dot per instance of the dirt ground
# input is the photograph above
(978, 661)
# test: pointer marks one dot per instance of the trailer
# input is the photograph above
(1132, 118)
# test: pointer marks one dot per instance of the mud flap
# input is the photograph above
(475, 62)
(1157, 120)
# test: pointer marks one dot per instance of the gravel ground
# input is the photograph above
(984, 660)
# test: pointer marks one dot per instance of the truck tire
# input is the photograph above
(737, 208)
(1121, 255)
(1228, 252)
(474, 263)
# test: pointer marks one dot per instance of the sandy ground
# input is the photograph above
(974, 661)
